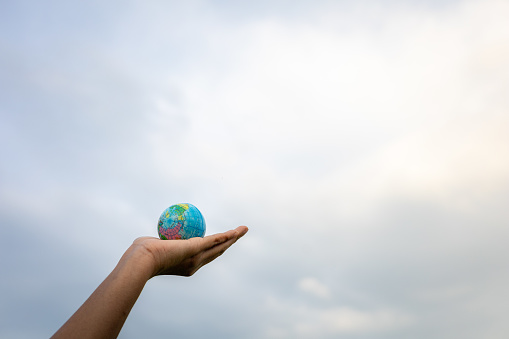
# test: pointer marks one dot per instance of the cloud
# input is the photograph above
(309, 322)
(364, 144)
(314, 287)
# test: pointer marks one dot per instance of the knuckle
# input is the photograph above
(189, 272)
(194, 262)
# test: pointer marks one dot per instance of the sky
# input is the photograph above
(364, 143)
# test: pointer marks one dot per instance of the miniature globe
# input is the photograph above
(181, 221)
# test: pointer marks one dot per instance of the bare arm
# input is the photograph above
(103, 314)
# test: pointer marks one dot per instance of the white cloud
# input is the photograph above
(344, 319)
(306, 118)
(314, 287)
(301, 321)
(304, 128)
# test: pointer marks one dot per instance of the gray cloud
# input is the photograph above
(366, 150)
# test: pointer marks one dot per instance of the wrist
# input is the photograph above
(139, 260)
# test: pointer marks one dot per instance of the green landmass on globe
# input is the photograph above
(181, 221)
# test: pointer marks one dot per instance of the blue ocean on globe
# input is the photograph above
(181, 221)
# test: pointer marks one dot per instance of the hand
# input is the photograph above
(103, 314)
(185, 257)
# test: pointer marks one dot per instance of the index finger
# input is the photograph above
(216, 239)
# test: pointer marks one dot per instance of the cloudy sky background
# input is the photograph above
(365, 144)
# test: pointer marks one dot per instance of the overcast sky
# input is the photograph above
(365, 144)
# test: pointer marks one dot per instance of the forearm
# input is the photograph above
(105, 311)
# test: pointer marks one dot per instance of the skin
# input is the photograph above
(103, 314)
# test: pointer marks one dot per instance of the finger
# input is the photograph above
(242, 230)
(216, 239)
(219, 249)
(201, 245)
(215, 252)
